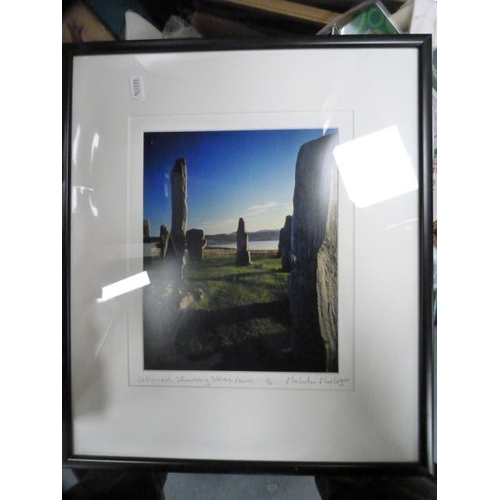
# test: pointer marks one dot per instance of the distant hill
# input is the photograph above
(262, 235)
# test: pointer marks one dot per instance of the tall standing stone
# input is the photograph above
(312, 284)
(196, 242)
(178, 179)
(285, 245)
(242, 253)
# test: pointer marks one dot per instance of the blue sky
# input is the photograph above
(230, 174)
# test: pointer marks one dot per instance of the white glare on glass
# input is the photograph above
(375, 167)
(124, 286)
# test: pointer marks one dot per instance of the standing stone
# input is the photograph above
(178, 178)
(146, 243)
(242, 253)
(196, 242)
(312, 284)
(285, 245)
(164, 240)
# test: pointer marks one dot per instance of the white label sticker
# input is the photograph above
(136, 88)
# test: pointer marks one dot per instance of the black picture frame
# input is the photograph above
(424, 462)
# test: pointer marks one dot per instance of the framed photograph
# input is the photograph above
(247, 254)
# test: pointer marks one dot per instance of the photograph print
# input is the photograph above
(240, 245)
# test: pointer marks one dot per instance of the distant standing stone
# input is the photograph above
(145, 229)
(196, 242)
(242, 253)
(285, 245)
(312, 284)
(178, 178)
(164, 239)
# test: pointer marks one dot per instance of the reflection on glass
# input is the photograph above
(375, 167)
(85, 192)
(74, 148)
(95, 145)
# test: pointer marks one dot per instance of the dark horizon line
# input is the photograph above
(221, 235)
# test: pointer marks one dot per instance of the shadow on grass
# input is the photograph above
(269, 353)
(211, 320)
(234, 276)
(226, 339)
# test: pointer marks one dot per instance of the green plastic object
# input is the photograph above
(368, 18)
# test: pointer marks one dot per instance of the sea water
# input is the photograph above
(252, 245)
